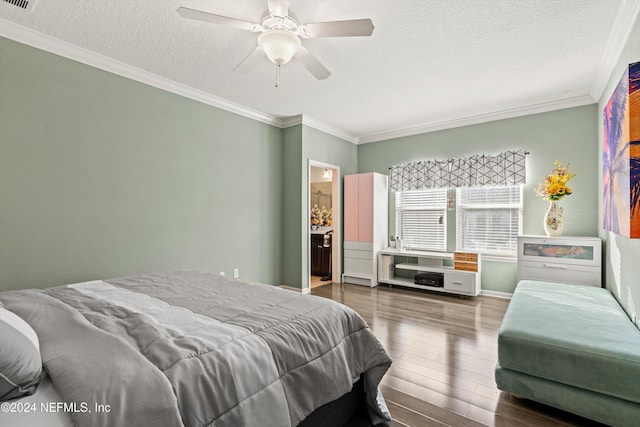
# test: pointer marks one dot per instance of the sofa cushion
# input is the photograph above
(576, 335)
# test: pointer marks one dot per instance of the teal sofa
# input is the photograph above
(572, 347)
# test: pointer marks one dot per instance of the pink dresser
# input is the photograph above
(366, 204)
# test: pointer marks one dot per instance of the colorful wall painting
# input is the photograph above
(621, 156)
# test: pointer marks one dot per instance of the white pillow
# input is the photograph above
(20, 360)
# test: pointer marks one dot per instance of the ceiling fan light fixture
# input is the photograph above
(281, 34)
(279, 45)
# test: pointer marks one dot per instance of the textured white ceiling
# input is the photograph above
(428, 61)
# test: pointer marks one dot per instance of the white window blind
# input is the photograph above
(489, 219)
(421, 218)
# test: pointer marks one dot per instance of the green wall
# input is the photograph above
(567, 135)
(292, 260)
(302, 144)
(622, 255)
(102, 176)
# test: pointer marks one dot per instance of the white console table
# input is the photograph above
(455, 281)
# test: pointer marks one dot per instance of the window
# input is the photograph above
(421, 218)
(489, 219)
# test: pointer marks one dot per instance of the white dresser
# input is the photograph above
(575, 260)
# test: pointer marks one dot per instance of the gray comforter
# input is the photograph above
(196, 349)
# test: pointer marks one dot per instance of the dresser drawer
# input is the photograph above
(563, 273)
(352, 253)
(466, 261)
(463, 283)
(358, 246)
(357, 266)
(585, 251)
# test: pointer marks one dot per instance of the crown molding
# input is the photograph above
(50, 44)
(480, 118)
(302, 119)
(625, 20)
(18, 33)
(288, 122)
(331, 130)
(624, 23)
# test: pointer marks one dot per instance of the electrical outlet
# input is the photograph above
(236, 273)
(222, 273)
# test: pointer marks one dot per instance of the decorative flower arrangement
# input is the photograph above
(326, 216)
(555, 186)
(321, 217)
(315, 216)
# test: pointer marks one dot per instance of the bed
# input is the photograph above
(186, 349)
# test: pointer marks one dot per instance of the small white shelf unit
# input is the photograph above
(455, 281)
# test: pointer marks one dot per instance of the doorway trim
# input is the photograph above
(336, 205)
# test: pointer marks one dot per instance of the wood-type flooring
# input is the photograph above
(444, 351)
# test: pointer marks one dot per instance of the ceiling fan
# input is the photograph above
(281, 34)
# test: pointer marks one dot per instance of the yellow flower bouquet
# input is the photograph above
(555, 185)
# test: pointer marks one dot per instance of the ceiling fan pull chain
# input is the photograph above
(277, 73)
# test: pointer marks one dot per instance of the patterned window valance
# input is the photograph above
(507, 168)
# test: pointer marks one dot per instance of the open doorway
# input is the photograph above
(324, 216)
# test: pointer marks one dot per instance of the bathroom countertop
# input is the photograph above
(320, 230)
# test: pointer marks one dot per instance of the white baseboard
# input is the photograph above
(496, 294)
(291, 288)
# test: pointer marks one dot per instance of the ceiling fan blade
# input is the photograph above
(199, 15)
(279, 8)
(351, 28)
(312, 64)
(250, 61)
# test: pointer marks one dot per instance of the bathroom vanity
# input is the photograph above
(321, 251)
